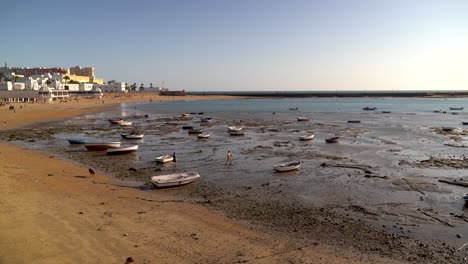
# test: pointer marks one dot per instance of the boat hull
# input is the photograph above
(132, 136)
(172, 180)
(120, 151)
(287, 166)
(164, 159)
(77, 141)
(101, 146)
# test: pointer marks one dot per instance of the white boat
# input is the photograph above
(203, 136)
(101, 146)
(164, 159)
(302, 118)
(117, 151)
(289, 166)
(116, 121)
(236, 133)
(185, 114)
(125, 123)
(175, 179)
(235, 128)
(195, 131)
(133, 136)
(307, 137)
(207, 119)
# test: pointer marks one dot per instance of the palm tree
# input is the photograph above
(66, 79)
(16, 77)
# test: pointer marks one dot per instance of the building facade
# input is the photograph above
(86, 71)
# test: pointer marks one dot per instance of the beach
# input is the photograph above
(55, 212)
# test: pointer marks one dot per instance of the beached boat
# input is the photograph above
(456, 108)
(288, 166)
(465, 198)
(175, 179)
(185, 114)
(293, 108)
(307, 137)
(368, 108)
(203, 136)
(332, 140)
(132, 136)
(187, 127)
(302, 118)
(124, 150)
(164, 159)
(125, 123)
(437, 111)
(354, 121)
(465, 123)
(195, 131)
(200, 113)
(236, 133)
(102, 146)
(116, 121)
(207, 119)
(77, 141)
(235, 128)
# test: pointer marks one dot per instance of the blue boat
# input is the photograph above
(77, 141)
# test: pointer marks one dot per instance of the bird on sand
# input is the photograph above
(91, 172)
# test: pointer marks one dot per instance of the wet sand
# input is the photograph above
(53, 211)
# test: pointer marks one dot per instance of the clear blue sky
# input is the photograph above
(247, 44)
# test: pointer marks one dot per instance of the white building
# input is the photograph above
(113, 87)
(18, 86)
(6, 86)
(86, 87)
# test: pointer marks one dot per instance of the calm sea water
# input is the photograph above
(307, 105)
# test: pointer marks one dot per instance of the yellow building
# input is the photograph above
(83, 79)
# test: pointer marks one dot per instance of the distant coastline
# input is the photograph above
(432, 94)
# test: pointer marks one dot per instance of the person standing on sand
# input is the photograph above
(228, 158)
(174, 161)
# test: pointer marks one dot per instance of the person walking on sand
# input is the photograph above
(174, 161)
(229, 158)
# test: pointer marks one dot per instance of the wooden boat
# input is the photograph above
(203, 136)
(101, 146)
(164, 159)
(195, 131)
(368, 108)
(234, 128)
(456, 108)
(116, 121)
(307, 137)
(185, 114)
(175, 179)
(125, 123)
(332, 140)
(302, 118)
(77, 141)
(236, 133)
(207, 119)
(289, 166)
(187, 127)
(133, 136)
(354, 121)
(124, 150)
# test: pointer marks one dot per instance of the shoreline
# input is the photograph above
(251, 244)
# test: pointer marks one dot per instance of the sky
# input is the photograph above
(227, 45)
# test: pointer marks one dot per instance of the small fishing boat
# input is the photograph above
(465, 123)
(124, 150)
(307, 137)
(133, 136)
(236, 133)
(193, 113)
(437, 111)
(77, 141)
(185, 114)
(234, 128)
(332, 140)
(187, 127)
(195, 131)
(448, 129)
(164, 159)
(368, 108)
(354, 121)
(116, 121)
(302, 118)
(293, 108)
(101, 146)
(456, 108)
(386, 112)
(465, 198)
(125, 123)
(203, 136)
(200, 113)
(175, 179)
(288, 166)
(207, 119)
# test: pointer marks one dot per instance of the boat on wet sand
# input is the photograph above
(102, 146)
(307, 137)
(466, 198)
(288, 166)
(164, 159)
(368, 108)
(237, 133)
(354, 121)
(456, 108)
(235, 128)
(187, 127)
(116, 121)
(125, 123)
(77, 141)
(175, 179)
(203, 136)
(332, 140)
(302, 118)
(132, 136)
(195, 131)
(124, 150)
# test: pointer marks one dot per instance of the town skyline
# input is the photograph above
(248, 45)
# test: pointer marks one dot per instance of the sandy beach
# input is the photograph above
(53, 211)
